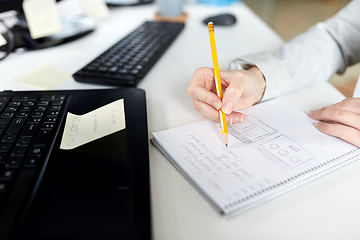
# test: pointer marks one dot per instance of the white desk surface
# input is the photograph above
(327, 208)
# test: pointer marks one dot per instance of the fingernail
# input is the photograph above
(241, 119)
(311, 112)
(317, 125)
(227, 108)
(216, 105)
(231, 120)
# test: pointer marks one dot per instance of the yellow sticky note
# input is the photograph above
(81, 129)
(43, 77)
(2, 40)
(42, 17)
(94, 8)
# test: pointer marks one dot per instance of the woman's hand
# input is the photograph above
(241, 89)
(340, 120)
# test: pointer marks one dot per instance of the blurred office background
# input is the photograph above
(291, 17)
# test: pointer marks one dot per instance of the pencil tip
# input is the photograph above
(226, 145)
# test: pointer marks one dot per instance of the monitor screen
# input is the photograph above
(7, 5)
(72, 29)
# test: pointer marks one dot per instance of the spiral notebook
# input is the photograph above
(275, 150)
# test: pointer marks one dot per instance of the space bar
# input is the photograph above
(14, 201)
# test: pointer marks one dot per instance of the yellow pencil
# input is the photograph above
(222, 116)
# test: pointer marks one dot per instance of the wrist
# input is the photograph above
(260, 81)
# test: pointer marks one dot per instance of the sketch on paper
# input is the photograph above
(284, 152)
(251, 130)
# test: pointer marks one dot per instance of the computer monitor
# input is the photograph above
(73, 28)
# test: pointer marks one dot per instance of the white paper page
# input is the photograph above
(276, 145)
(44, 77)
(94, 8)
(42, 17)
(93, 125)
(2, 40)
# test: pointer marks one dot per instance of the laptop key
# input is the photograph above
(4, 123)
(3, 187)
(24, 142)
(16, 125)
(5, 147)
(7, 174)
(31, 162)
(29, 130)
(18, 152)
(13, 163)
(36, 152)
(42, 138)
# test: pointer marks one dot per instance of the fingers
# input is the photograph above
(346, 112)
(201, 94)
(243, 89)
(211, 113)
(345, 118)
(202, 87)
(346, 133)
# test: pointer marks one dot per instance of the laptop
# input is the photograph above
(99, 190)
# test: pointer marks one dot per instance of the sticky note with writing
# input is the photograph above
(81, 129)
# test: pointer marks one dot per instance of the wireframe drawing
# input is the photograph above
(251, 130)
(284, 152)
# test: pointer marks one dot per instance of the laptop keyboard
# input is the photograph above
(27, 127)
(127, 61)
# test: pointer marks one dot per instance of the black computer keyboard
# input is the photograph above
(28, 127)
(127, 62)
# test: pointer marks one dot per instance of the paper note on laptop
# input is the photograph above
(81, 129)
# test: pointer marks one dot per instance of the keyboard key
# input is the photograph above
(16, 125)
(52, 97)
(29, 103)
(18, 152)
(55, 108)
(47, 126)
(29, 130)
(5, 147)
(36, 152)
(22, 115)
(8, 138)
(50, 120)
(31, 162)
(43, 103)
(4, 123)
(57, 102)
(25, 98)
(34, 120)
(37, 114)
(7, 115)
(42, 138)
(25, 142)
(40, 108)
(3, 187)
(15, 103)
(13, 163)
(7, 174)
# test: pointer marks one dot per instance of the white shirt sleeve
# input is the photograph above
(312, 57)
